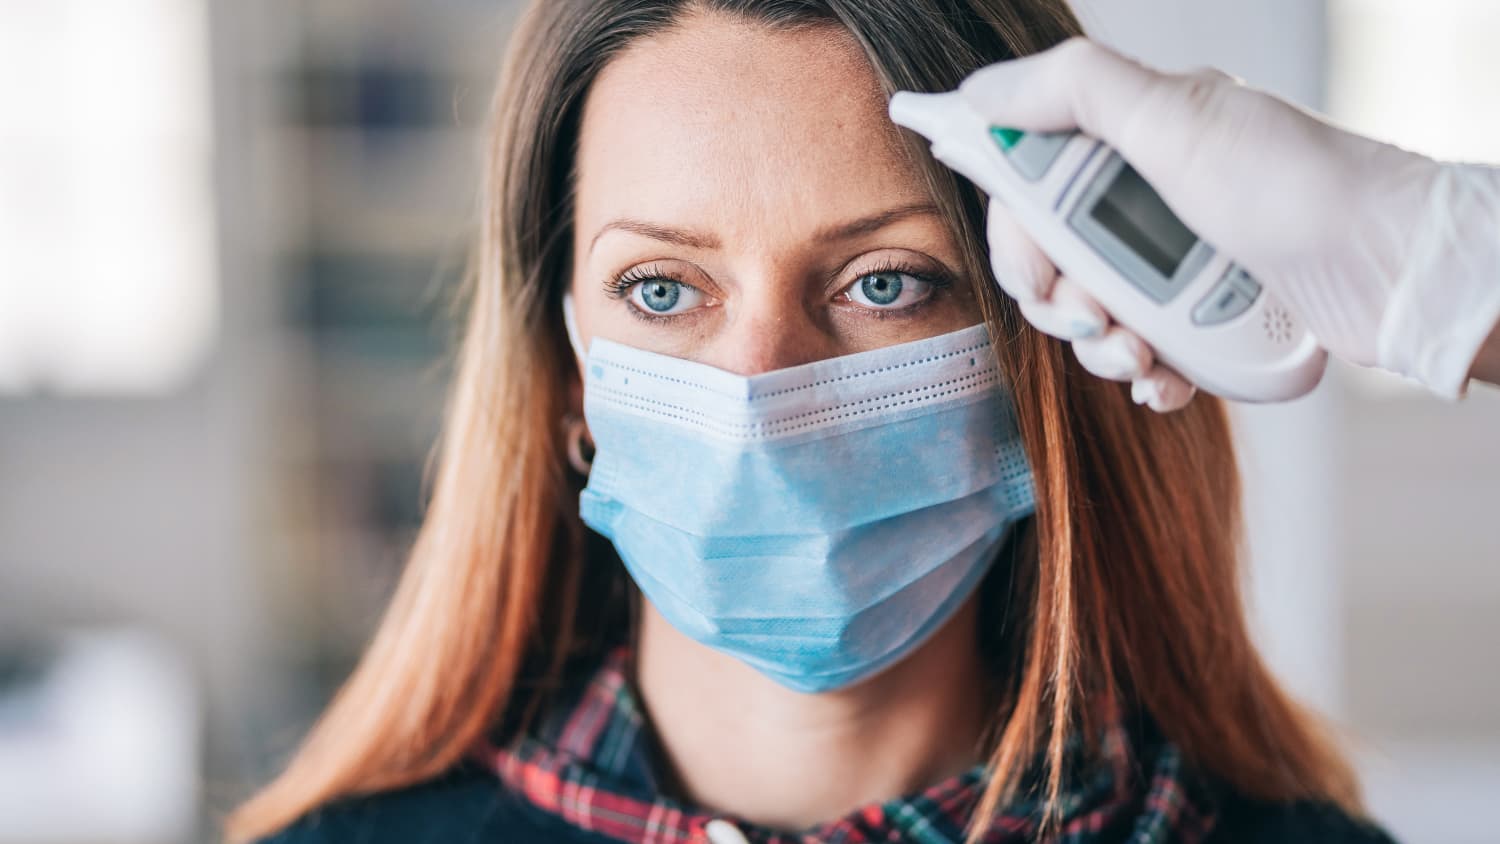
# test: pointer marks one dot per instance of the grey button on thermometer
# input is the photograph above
(1032, 153)
(1241, 279)
(1222, 305)
(1232, 296)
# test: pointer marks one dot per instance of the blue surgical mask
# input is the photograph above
(818, 522)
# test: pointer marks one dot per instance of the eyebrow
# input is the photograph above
(874, 222)
(701, 240)
(666, 234)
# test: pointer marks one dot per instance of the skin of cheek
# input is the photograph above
(756, 156)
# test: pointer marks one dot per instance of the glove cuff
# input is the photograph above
(1447, 300)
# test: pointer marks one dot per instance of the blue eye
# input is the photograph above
(660, 295)
(881, 288)
(888, 290)
(663, 296)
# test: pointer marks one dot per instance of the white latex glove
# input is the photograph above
(1392, 259)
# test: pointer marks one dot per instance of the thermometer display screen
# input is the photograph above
(1132, 212)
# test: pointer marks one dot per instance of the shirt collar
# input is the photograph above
(593, 760)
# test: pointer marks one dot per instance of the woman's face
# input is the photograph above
(743, 201)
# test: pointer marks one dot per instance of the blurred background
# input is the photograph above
(229, 235)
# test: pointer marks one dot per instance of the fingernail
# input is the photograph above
(1082, 322)
(1084, 329)
(1143, 391)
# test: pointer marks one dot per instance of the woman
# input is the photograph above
(855, 573)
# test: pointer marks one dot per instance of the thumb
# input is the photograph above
(1078, 84)
(1157, 121)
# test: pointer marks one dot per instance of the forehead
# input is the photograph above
(727, 123)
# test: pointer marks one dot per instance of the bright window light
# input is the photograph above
(108, 281)
(1424, 74)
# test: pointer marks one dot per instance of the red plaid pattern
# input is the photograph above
(590, 765)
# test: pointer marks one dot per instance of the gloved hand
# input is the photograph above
(1392, 259)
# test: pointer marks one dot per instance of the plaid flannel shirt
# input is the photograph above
(591, 763)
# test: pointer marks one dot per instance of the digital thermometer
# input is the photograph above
(1107, 230)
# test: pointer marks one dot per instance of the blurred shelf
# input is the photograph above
(371, 142)
(393, 190)
(356, 409)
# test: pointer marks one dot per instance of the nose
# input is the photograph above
(769, 334)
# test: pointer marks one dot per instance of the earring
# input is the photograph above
(580, 452)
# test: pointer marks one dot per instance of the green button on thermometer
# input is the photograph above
(1006, 138)
(1107, 230)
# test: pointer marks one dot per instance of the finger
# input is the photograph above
(1162, 390)
(1086, 317)
(1023, 270)
(1068, 314)
(1117, 355)
(1078, 84)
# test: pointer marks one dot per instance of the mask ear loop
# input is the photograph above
(575, 430)
(571, 324)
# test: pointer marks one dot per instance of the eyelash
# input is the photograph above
(939, 281)
(619, 287)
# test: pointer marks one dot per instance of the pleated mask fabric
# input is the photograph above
(817, 522)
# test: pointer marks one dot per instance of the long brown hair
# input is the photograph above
(1135, 590)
